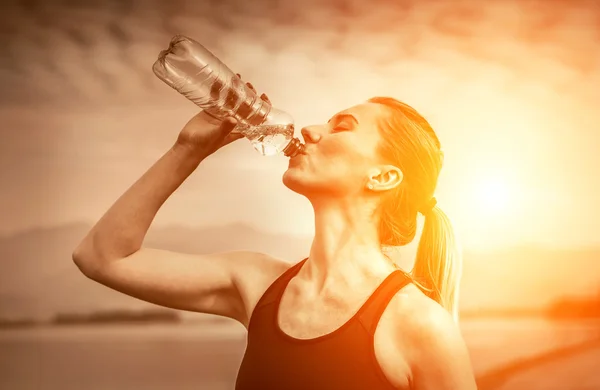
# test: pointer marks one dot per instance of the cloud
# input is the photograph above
(79, 72)
(103, 49)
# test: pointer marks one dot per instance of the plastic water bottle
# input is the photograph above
(192, 70)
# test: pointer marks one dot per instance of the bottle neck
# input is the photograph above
(293, 148)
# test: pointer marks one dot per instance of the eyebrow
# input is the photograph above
(343, 116)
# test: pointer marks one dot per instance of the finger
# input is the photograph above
(227, 125)
(238, 75)
(215, 90)
(251, 86)
(265, 98)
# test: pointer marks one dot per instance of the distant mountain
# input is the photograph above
(38, 278)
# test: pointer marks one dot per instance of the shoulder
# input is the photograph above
(259, 268)
(247, 265)
(253, 277)
(418, 313)
(421, 318)
(431, 342)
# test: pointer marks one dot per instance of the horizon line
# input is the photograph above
(525, 245)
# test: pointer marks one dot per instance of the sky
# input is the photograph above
(512, 89)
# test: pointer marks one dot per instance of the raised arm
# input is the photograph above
(112, 252)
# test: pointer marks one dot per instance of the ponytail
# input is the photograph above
(410, 144)
(438, 266)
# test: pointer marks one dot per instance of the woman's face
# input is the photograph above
(339, 156)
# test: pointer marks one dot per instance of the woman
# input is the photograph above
(345, 317)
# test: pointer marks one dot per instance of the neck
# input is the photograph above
(346, 248)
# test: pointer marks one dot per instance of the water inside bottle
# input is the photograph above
(268, 140)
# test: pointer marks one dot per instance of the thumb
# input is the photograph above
(227, 125)
(230, 138)
(226, 132)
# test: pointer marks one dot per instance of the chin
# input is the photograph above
(298, 182)
(292, 179)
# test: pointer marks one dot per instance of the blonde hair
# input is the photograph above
(411, 145)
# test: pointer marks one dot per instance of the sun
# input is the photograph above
(494, 196)
(493, 208)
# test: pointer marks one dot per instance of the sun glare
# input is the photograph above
(494, 196)
(494, 204)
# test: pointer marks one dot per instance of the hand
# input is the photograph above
(263, 96)
(206, 134)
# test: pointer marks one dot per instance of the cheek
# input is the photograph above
(342, 151)
(333, 148)
(345, 172)
(346, 158)
(334, 162)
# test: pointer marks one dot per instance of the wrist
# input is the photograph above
(187, 154)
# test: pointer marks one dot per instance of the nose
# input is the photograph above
(310, 134)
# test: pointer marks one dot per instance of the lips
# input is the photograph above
(296, 159)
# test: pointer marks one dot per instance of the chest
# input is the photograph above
(302, 318)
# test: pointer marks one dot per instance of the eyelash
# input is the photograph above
(342, 127)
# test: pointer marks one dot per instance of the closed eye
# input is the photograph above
(344, 122)
(342, 127)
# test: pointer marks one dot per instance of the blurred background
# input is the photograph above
(511, 87)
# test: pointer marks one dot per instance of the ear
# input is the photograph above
(384, 177)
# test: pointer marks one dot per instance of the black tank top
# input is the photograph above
(343, 359)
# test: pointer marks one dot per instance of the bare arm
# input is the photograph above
(438, 354)
(121, 230)
(213, 284)
(112, 252)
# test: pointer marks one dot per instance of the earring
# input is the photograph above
(370, 186)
